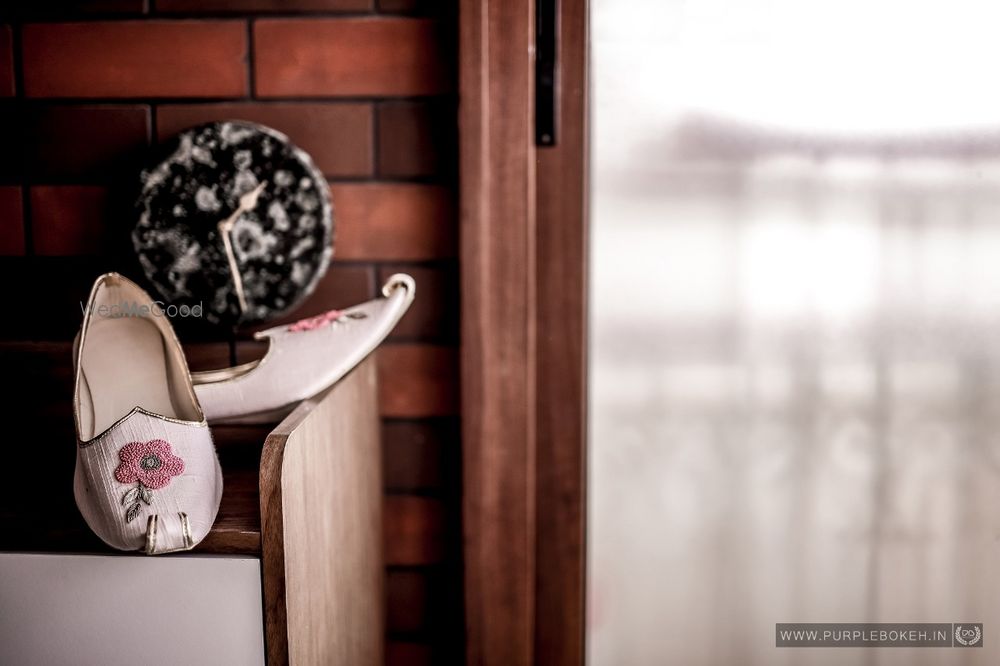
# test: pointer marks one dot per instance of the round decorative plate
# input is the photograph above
(237, 219)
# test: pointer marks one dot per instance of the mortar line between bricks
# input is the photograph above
(17, 62)
(398, 263)
(161, 16)
(17, 59)
(251, 60)
(440, 263)
(427, 341)
(433, 421)
(153, 139)
(375, 141)
(414, 568)
(389, 180)
(372, 270)
(424, 493)
(104, 181)
(199, 101)
(423, 637)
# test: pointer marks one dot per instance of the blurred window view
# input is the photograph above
(795, 350)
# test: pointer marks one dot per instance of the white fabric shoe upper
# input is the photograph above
(302, 358)
(147, 476)
(122, 499)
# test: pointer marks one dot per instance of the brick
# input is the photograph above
(337, 136)
(416, 139)
(412, 6)
(414, 454)
(112, 6)
(250, 350)
(206, 356)
(356, 56)
(11, 222)
(433, 316)
(234, 436)
(11, 141)
(85, 143)
(71, 8)
(44, 375)
(398, 6)
(69, 220)
(394, 221)
(123, 59)
(6, 62)
(192, 6)
(399, 653)
(408, 601)
(341, 287)
(417, 380)
(239, 448)
(61, 283)
(414, 530)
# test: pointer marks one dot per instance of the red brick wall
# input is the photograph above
(367, 87)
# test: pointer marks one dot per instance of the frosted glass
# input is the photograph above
(795, 360)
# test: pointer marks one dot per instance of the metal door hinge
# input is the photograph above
(546, 45)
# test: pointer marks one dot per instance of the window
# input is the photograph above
(795, 323)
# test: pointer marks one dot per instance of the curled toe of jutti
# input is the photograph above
(302, 358)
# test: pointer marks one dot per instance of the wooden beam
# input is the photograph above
(498, 239)
(562, 356)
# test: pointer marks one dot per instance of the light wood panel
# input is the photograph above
(321, 500)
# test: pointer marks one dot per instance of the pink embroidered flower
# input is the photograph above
(324, 319)
(315, 322)
(151, 463)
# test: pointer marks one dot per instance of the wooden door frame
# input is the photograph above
(523, 264)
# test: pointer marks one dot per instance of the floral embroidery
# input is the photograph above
(324, 319)
(150, 465)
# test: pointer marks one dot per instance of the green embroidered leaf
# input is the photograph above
(130, 496)
(357, 315)
(132, 512)
(145, 494)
